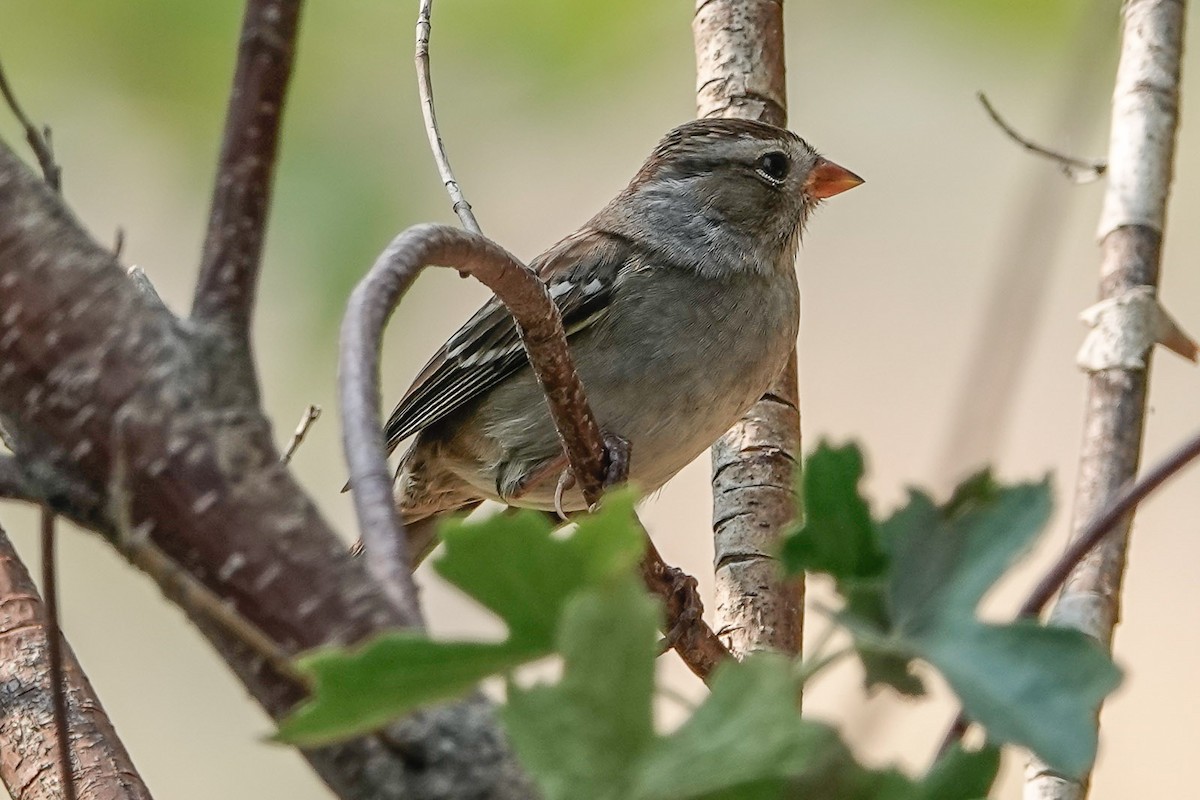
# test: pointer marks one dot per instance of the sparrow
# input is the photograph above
(680, 304)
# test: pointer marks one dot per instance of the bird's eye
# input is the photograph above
(774, 166)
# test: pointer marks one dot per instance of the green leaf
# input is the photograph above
(1035, 686)
(747, 731)
(961, 775)
(944, 559)
(512, 564)
(911, 585)
(582, 738)
(355, 691)
(838, 536)
(1025, 684)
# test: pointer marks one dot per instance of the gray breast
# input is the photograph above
(672, 365)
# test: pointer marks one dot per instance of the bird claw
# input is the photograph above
(616, 459)
(565, 482)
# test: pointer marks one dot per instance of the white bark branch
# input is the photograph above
(740, 73)
(1141, 151)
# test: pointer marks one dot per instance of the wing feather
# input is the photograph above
(580, 271)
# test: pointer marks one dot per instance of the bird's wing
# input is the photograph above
(580, 272)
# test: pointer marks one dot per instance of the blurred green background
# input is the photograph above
(547, 107)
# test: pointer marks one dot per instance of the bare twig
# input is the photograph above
(39, 142)
(237, 222)
(58, 689)
(1091, 535)
(740, 73)
(425, 90)
(28, 725)
(1033, 230)
(1100, 526)
(1079, 170)
(311, 415)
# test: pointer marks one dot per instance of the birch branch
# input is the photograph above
(1145, 116)
(740, 73)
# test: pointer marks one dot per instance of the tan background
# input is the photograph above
(548, 107)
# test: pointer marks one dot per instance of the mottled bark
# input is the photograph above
(1145, 117)
(740, 73)
(237, 222)
(29, 755)
(100, 384)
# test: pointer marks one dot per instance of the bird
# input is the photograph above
(680, 303)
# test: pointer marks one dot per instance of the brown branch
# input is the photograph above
(80, 347)
(1078, 170)
(237, 222)
(27, 725)
(371, 303)
(425, 91)
(1089, 537)
(740, 73)
(54, 654)
(39, 141)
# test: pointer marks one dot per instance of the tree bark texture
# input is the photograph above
(99, 383)
(740, 73)
(29, 760)
(1145, 116)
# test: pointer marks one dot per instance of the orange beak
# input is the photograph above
(827, 179)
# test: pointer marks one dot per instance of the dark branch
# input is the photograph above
(1078, 170)
(205, 486)
(54, 654)
(1123, 504)
(425, 91)
(27, 719)
(38, 142)
(241, 200)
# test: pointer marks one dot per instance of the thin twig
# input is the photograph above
(237, 221)
(1092, 534)
(38, 142)
(1079, 170)
(311, 415)
(425, 90)
(58, 689)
